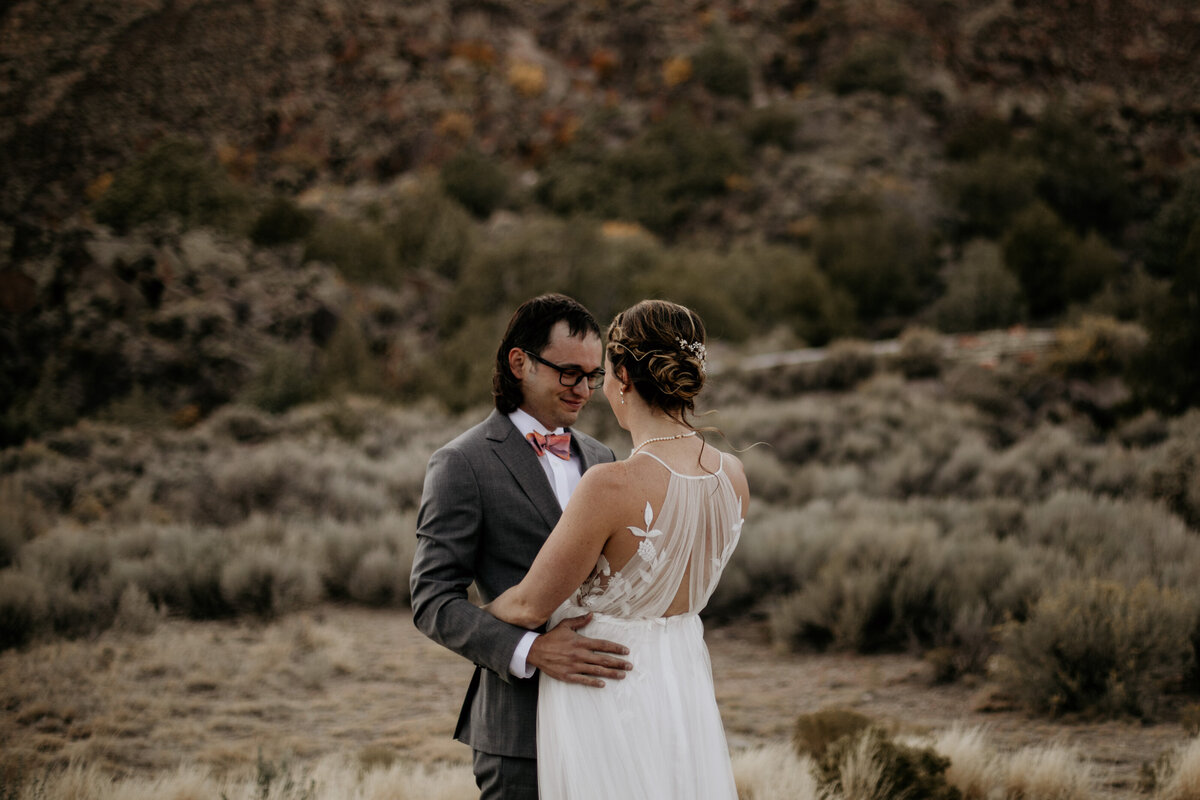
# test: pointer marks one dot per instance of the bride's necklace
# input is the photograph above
(662, 439)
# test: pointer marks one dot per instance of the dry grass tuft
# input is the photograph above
(774, 772)
(1178, 777)
(1049, 773)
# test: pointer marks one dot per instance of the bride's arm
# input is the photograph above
(570, 552)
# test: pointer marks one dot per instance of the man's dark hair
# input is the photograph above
(529, 329)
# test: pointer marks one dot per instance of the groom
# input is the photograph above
(491, 497)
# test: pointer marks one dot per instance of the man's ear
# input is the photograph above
(516, 362)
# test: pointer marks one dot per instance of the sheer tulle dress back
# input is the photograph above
(657, 734)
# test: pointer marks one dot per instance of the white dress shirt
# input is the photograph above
(564, 477)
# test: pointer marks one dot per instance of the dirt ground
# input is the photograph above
(362, 681)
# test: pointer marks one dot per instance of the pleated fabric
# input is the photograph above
(657, 734)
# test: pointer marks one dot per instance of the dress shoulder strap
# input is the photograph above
(667, 466)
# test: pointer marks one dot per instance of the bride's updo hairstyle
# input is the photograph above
(661, 346)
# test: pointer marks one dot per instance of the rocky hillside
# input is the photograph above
(293, 93)
(820, 168)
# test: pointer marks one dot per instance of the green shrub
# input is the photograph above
(359, 250)
(771, 125)
(991, 189)
(1099, 647)
(281, 222)
(1039, 248)
(476, 181)
(871, 65)
(922, 353)
(980, 292)
(792, 291)
(347, 364)
(175, 178)
(1166, 242)
(872, 766)
(882, 257)
(722, 68)
(847, 363)
(22, 608)
(1083, 179)
(813, 733)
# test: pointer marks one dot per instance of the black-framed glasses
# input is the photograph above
(570, 376)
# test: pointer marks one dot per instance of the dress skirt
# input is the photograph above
(656, 735)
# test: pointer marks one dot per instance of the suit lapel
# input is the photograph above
(520, 460)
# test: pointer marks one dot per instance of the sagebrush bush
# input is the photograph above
(1041, 250)
(991, 189)
(430, 231)
(282, 380)
(22, 608)
(1099, 647)
(269, 582)
(1083, 180)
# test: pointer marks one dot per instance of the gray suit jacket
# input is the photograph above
(486, 509)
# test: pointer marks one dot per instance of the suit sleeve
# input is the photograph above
(449, 526)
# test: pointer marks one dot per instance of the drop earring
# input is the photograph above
(621, 391)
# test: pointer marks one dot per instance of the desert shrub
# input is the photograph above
(1083, 179)
(431, 231)
(476, 181)
(359, 250)
(240, 423)
(282, 380)
(281, 222)
(1172, 234)
(22, 517)
(268, 582)
(722, 68)
(459, 374)
(980, 292)
(873, 766)
(22, 608)
(184, 573)
(75, 559)
(991, 189)
(1097, 347)
(1099, 647)
(972, 134)
(882, 257)
(135, 612)
(871, 65)
(1054, 265)
(773, 772)
(922, 353)
(771, 125)
(347, 363)
(813, 733)
(175, 178)
(1129, 541)
(791, 290)
(381, 578)
(847, 363)
(1170, 470)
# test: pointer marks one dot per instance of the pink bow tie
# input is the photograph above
(556, 444)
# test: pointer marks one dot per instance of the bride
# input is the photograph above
(640, 546)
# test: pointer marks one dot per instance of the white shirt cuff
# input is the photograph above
(517, 665)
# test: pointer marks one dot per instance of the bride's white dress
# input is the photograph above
(657, 734)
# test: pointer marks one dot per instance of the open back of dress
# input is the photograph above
(684, 547)
(657, 734)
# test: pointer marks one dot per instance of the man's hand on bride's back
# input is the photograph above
(564, 654)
